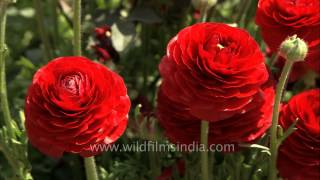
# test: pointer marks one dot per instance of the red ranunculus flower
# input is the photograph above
(74, 103)
(104, 48)
(279, 19)
(214, 72)
(299, 155)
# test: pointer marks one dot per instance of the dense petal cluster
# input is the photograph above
(216, 73)
(279, 19)
(299, 155)
(73, 103)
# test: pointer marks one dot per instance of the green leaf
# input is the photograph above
(15, 142)
(288, 132)
(101, 4)
(22, 118)
(266, 151)
(103, 174)
(113, 3)
(122, 35)
(27, 12)
(258, 146)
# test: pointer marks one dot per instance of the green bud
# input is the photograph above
(293, 49)
(199, 4)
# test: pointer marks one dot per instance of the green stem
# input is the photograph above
(274, 59)
(90, 167)
(3, 85)
(204, 13)
(77, 27)
(242, 6)
(41, 28)
(243, 12)
(275, 116)
(204, 154)
(55, 15)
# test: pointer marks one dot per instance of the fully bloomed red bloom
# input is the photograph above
(279, 19)
(299, 155)
(74, 103)
(104, 48)
(214, 72)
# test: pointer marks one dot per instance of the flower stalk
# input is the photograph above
(204, 154)
(293, 49)
(275, 116)
(77, 27)
(41, 28)
(203, 10)
(90, 167)
(3, 85)
(12, 140)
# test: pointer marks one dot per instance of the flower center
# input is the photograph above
(220, 46)
(72, 84)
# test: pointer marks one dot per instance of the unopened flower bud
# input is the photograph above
(199, 4)
(293, 49)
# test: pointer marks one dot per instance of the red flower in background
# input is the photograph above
(279, 19)
(74, 103)
(299, 155)
(214, 72)
(104, 48)
(196, 15)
